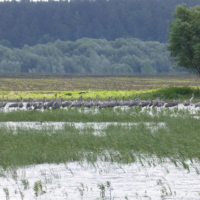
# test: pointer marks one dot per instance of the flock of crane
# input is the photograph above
(58, 103)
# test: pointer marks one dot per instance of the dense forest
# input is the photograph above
(32, 23)
(94, 56)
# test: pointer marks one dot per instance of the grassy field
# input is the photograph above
(111, 83)
(178, 141)
(169, 93)
(35, 86)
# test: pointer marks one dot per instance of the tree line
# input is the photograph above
(31, 23)
(93, 56)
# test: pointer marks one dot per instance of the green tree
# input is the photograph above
(45, 39)
(121, 69)
(184, 40)
(10, 67)
(147, 67)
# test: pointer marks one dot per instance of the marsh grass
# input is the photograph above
(178, 141)
(76, 115)
(134, 114)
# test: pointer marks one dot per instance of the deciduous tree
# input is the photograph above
(184, 38)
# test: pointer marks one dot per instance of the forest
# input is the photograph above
(94, 37)
(29, 23)
(94, 56)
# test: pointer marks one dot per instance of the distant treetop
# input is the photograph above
(91, 56)
(40, 22)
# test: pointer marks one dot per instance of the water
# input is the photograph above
(63, 181)
(98, 127)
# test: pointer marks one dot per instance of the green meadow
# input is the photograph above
(67, 86)
(168, 92)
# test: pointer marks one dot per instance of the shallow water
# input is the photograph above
(134, 181)
(97, 126)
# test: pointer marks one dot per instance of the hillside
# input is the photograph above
(32, 23)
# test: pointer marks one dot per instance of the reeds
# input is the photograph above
(178, 141)
(134, 114)
(76, 115)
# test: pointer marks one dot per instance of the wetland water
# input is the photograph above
(134, 181)
(151, 180)
(191, 109)
(97, 126)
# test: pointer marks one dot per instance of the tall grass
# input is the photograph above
(134, 114)
(178, 141)
(72, 115)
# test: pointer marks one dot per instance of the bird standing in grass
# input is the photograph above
(3, 104)
(29, 104)
(20, 105)
(188, 103)
(14, 105)
(173, 104)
